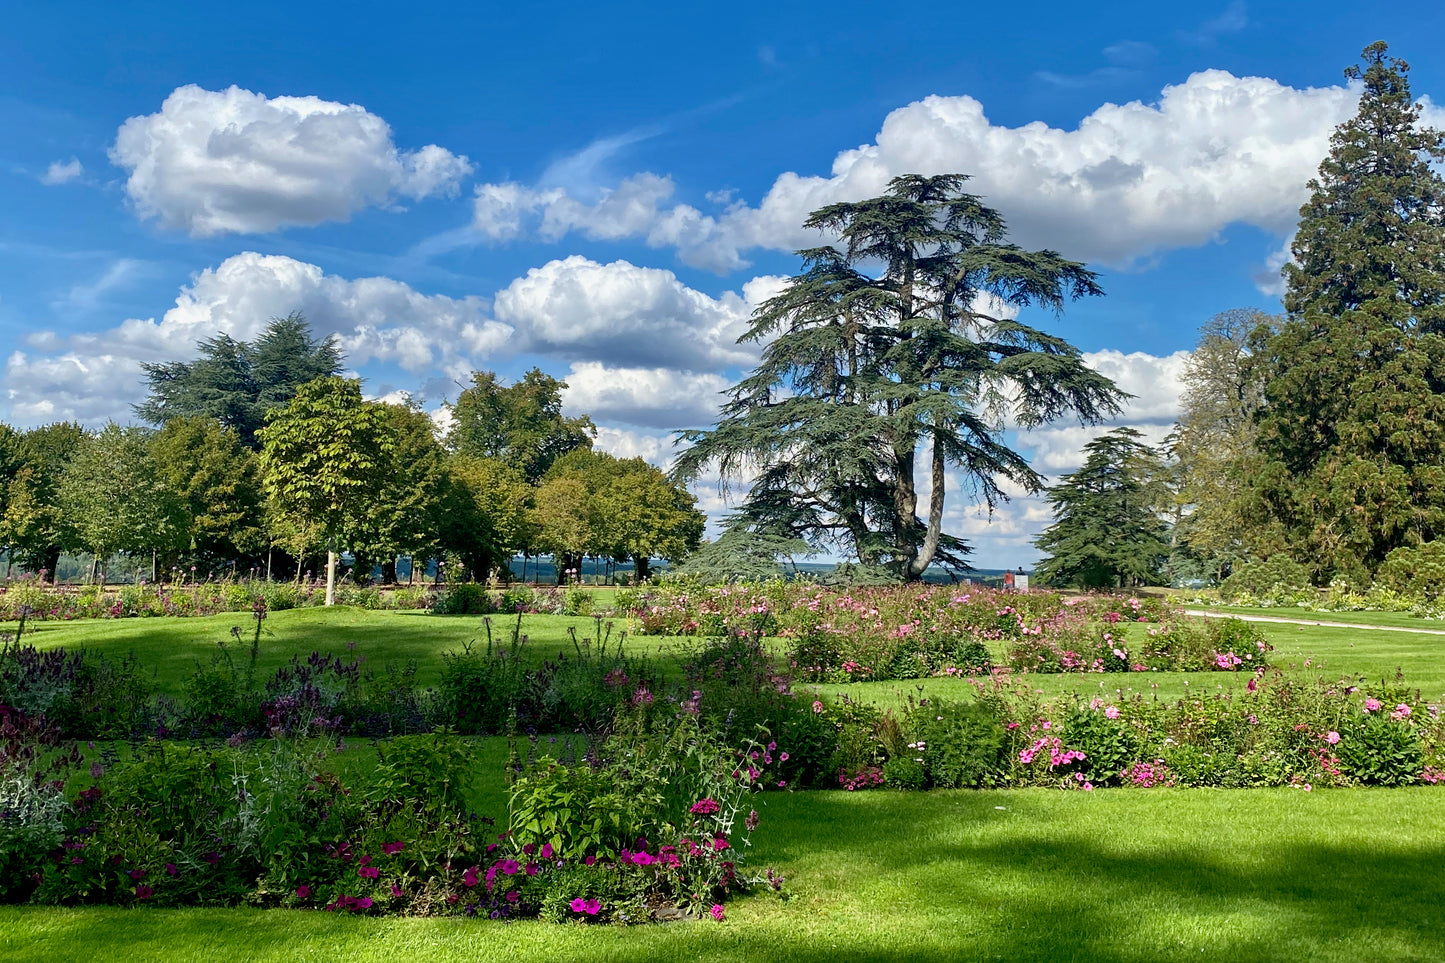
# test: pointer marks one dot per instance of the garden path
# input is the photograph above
(1331, 624)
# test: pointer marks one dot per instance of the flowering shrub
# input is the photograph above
(143, 600)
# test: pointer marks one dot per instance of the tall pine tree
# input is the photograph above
(1353, 428)
(1107, 531)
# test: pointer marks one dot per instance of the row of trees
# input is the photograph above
(258, 462)
(1318, 435)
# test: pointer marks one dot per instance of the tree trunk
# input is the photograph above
(388, 571)
(926, 551)
(641, 566)
(331, 571)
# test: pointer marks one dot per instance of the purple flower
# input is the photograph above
(510, 867)
(547, 850)
(303, 891)
(143, 891)
(368, 872)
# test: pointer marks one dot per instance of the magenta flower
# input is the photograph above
(390, 848)
(368, 872)
(547, 850)
(590, 861)
(396, 891)
(717, 912)
(303, 891)
(589, 906)
(532, 869)
(469, 878)
(510, 867)
(704, 807)
(143, 891)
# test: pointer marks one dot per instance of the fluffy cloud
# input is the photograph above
(1130, 181)
(62, 173)
(660, 398)
(93, 377)
(233, 161)
(623, 314)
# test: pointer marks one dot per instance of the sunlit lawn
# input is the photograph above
(1114, 875)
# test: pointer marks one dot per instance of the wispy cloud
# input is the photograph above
(62, 172)
(1234, 19)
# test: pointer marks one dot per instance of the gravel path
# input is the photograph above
(1341, 625)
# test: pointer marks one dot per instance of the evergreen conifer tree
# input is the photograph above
(1107, 532)
(1353, 427)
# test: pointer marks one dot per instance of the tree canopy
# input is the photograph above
(521, 424)
(325, 458)
(1107, 531)
(237, 382)
(1352, 431)
(900, 339)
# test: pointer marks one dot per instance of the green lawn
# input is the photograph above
(1389, 619)
(1114, 875)
(171, 647)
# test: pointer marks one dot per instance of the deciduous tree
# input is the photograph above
(325, 457)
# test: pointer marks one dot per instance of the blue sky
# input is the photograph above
(605, 191)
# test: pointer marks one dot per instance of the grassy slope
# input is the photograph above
(1124, 875)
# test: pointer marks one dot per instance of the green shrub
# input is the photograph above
(463, 598)
(961, 744)
(1381, 749)
(1277, 580)
(1416, 570)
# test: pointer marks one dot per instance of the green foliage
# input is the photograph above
(520, 425)
(1107, 530)
(1379, 749)
(325, 459)
(1275, 577)
(860, 373)
(741, 554)
(436, 769)
(1109, 745)
(1416, 570)
(961, 745)
(1221, 519)
(115, 498)
(236, 383)
(1353, 428)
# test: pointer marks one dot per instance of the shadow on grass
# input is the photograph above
(1126, 877)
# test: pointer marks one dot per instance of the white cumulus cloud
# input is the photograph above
(626, 315)
(660, 398)
(93, 377)
(233, 161)
(1128, 182)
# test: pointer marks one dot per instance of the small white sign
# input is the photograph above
(1021, 583)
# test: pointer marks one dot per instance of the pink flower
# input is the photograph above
(1112, 712)
(704, 807)
(1402, 711)
(1332, 737)
(1372, 705)
(717, 912)
(817, 706)
(588, 906)
(396, 891)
